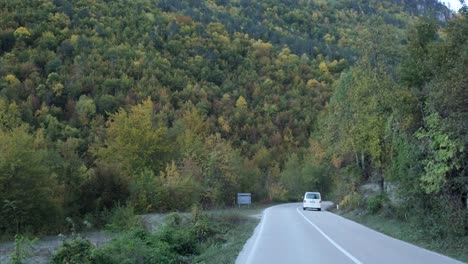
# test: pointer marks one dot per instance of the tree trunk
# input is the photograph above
(381, 181)
(363, 163)
(357, 159)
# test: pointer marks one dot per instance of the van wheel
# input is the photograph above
(320, 209)
(303, 208)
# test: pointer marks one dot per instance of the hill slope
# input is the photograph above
(163, 103)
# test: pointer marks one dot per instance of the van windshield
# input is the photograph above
(313, 196)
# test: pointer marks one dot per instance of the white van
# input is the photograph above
(312, 200)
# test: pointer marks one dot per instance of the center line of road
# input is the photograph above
(355, 260)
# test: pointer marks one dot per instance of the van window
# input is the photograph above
(313, 196)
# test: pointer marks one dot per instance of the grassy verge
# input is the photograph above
(237, 226)
(454, 247)
(241, 228)
(252, 211)
(197, 237)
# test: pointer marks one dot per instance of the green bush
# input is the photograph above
(146, 193)
(123, 218)
(376, 203)
(197, 212)
(181, 239)
(76, 251)
(137, 246)
(174, 219)
(203, 229)
(438, 217)
(104, 189)
(351, 201)
(23, 247)
(201, 226)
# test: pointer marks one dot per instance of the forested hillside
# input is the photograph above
(162, 104)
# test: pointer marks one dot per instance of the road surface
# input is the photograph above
(287, 234)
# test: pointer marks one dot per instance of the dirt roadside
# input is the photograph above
(43, 249)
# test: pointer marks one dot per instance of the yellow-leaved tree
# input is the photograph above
(134, 141)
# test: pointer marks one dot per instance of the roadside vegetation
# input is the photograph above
(160, 105)
(452, 246)
(414, 147)
(193, 237)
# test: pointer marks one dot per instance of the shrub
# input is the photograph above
(173, 219)
(23, 247)
(137, 246)
(123, 218)
(145, 192)
(197, 212)
(181, 239)
(105, 188)
(439, 217)
(375, 203)
(182, 189)
(351, 201)
(77, 251)
(203, 230)
(202, 224)
(179, 234)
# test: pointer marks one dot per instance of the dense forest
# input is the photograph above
(162, 104)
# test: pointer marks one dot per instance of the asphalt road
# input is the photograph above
(287, 234)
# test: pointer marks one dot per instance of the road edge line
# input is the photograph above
(399, 240)
(346, 253)
(260, 231)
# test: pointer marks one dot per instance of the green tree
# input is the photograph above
(291, 177)
(442, 152)
(134, 141)
(315, 171)
(28, 195)
(417, 68)
(10, 117)
(22, 34)
(182, 188)
(85, 108)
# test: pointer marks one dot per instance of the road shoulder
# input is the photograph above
(455, 247)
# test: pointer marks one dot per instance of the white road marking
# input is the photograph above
(260, 231)
(355, 260)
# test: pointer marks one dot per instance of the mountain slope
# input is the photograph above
(145, 101)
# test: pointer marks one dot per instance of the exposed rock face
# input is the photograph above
(432, 8)
(371, 189)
